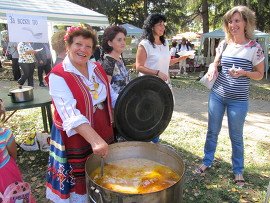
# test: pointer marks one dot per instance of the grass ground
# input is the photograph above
(187, 137)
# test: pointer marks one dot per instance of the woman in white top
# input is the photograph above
(183, 47)
(153, 55)
(241, 60)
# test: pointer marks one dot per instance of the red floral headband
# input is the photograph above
(70, 30)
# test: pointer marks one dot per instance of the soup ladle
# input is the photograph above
(102, 167)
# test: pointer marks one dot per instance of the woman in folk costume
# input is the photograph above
(83, 101)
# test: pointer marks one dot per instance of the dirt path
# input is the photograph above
(192, 105)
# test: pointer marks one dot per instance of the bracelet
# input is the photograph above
(157, 73)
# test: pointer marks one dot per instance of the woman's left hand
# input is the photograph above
(162, 76)
(237, 73)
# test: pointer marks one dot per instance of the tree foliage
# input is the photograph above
(182, 15)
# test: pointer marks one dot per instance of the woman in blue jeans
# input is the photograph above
(242, 59)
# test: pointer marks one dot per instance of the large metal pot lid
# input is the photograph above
(22, 89)
(143, 109)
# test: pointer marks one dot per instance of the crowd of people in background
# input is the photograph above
(178, 46)
(25, 57)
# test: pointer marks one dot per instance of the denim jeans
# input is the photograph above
(156, 140)
(236, 113)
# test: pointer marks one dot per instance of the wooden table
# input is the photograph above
(41, 99)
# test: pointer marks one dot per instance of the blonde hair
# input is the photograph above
(248, 16)
(58, 42)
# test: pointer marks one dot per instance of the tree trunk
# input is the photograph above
(145, 9)
(205, 18)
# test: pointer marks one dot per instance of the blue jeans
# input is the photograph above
(236, 113)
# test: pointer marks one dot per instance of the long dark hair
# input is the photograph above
(148, 26)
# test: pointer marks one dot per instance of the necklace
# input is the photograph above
(94, 92)
(159, 46)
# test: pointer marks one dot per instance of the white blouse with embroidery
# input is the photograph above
(65, 102)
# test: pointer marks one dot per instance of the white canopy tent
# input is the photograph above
(58, 12)
(132, 30)
(263, 39)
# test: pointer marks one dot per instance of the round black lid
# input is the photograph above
(143, 109)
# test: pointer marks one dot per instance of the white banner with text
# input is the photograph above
(27, 28)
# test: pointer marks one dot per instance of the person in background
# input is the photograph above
(58, 45)
(113, 44)
(242, 60)
(190, 62)
(83, 101)
(4, 41)
(173, 50)
(9, 170)
(43, 60)
(26, 62)
(153, 55)
(98, 54)
(183, 46)
(12, 49)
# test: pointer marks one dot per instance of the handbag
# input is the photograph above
(17, 192)
(204, 80)
(209, 84)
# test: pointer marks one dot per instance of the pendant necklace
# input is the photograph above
(94, 92)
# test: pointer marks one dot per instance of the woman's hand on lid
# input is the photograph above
(162, 76)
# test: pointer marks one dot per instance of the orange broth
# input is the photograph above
(135, 176)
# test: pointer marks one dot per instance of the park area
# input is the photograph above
(186, 134)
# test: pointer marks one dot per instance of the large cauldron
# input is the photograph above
(142, 112)
(155, 152)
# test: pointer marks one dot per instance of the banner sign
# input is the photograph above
(27, 28)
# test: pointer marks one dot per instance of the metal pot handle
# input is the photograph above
(168, 146)
(98, 192)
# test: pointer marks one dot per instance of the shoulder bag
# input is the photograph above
(204, 80)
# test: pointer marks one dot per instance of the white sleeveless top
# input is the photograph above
(158, 58)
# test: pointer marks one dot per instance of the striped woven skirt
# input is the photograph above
(65, 179)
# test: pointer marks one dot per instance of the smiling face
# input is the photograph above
(80, 51)
(118, 43)
(237, 25)
(159, 29)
